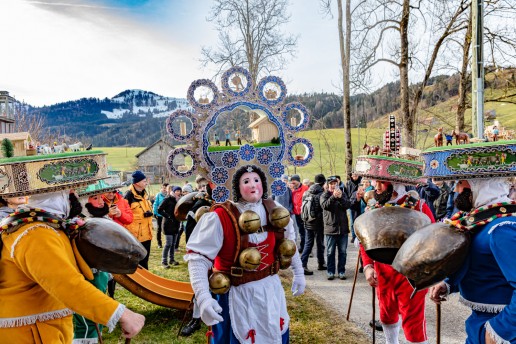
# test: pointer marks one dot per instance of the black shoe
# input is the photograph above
(361, 270)
(174, 263)
(311, 255)
(377, 325)
(308, 272)
(160, 246)
(191, 327)
(322, 267)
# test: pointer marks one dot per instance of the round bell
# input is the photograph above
(431, 254)
(249, 222)
(184, 204)
(200, 212)
(287, 248)
(285, 262)
(279, 217)
(219, 283)
(382, 231)
(250, 258)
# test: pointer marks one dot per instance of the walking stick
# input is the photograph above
(353, 288)
(99, 334)
(128, 341)
(438, 321)
(374, 315)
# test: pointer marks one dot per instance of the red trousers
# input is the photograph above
(394, 292)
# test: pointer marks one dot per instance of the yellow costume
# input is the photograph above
(36, 305)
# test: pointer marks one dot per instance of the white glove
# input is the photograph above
(356, 243)
(208, 306)
(298, 282)
(210, 310)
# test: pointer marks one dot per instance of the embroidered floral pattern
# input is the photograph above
(229, 159)
(276, 170)
(278, 187)
(434, 164)
(247, 152)
(264, 156)
(220, 194)
(219, 175)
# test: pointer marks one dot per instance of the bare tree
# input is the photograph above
(325, 143)
(388, 25)
(250, 35)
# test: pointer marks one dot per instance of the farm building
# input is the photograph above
(20, 142)
(263, 130)
(153, 161)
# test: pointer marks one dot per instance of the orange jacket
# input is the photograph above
(127, 215)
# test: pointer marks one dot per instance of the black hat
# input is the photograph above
(296, 177)
(319, 179)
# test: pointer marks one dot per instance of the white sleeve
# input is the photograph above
(290, 232)
(206, 239)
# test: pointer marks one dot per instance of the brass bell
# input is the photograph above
(279, 217)
(200, 212)
(250, 258)
(285, 262)
(249, 222)
(287, 248)
(219, 283)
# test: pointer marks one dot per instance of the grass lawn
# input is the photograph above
(310, 318)
(121, 158)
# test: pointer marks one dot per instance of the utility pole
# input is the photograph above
(477, 69)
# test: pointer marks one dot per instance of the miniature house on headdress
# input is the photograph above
(273, 141)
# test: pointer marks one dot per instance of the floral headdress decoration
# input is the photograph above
(269, 141)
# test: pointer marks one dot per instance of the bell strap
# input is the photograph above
(240, 276)
(481, 216)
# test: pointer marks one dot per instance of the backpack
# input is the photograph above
(308, 208)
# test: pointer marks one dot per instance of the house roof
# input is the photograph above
(257, 122)
(152, 145)
(16, 136)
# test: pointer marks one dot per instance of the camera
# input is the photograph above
(148, 213)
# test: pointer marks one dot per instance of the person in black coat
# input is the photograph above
(314, 229)
(170, 228)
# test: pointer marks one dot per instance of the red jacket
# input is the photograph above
(127, 215)
(297, 198)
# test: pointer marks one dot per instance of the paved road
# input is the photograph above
(337, 294)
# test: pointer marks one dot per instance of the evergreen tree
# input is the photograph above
(7, 148)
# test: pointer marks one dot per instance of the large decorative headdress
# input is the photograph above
(29, 175)
(253, 114)
(471, 161)
(390, 167)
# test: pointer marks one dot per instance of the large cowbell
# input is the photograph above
(431, 254)
(382, 231)
(107, 246)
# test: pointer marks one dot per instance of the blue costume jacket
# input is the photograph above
(487, 282)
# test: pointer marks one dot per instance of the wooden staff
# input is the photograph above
(438, 321)
(353, 288)
(128, 341)
(374, 315)
(99, 334)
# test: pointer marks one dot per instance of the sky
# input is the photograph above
(60, 50)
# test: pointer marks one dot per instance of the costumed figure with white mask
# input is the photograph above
(397, 308)
(237, 248)
(43, 272)
(487, 278)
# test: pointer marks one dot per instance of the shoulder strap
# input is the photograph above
(231, 212)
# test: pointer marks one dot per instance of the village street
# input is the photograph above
(336, 294)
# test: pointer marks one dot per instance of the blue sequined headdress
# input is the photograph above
(272, 126)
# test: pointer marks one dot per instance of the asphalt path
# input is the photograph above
(336, 295)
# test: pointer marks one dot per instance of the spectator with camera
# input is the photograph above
(141, 207)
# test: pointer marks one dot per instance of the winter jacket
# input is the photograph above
(429, 193)
(127, 215)
(160, 197)
(141, 227)
(334, 213)
(286, 200)
(166, 209)
(297, 198)
(315, 191)
(441, 202)
(5, 211)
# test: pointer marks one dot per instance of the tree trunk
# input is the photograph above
(408, 120)
(345, 45)
(464, 80)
